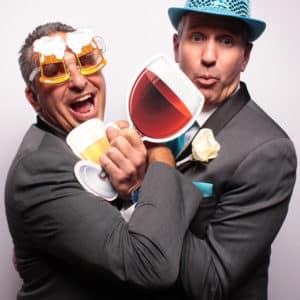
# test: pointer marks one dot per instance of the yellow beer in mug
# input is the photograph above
(95, 150)
(88, 140)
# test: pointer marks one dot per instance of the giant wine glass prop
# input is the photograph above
(162, 102)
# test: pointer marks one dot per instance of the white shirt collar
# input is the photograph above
(208, 111)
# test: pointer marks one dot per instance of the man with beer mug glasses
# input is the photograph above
(55, 224)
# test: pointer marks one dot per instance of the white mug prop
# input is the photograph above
(162, 102)
(88, 141)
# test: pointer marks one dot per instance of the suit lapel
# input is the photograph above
(224, 113)
(228, 110)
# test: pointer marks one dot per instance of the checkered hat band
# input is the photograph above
(236, 7)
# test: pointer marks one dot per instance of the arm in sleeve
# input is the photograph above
(65, 222)
(249, 214)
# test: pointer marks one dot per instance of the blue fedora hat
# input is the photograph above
(237, 9)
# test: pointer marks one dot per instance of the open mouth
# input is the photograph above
(83, 105)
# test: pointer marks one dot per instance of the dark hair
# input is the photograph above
(27, 61)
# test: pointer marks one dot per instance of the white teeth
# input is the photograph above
(83, 98)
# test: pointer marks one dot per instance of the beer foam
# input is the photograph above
(47, 46)
(79, 38)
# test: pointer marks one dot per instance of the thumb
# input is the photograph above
(111, 132)
(122, 124)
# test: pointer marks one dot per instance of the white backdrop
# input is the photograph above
(134, 30)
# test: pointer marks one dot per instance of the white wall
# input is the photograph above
(134, 30)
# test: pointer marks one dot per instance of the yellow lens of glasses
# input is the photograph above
(53, 70)
(90, 60)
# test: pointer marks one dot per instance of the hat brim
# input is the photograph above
(256, 27)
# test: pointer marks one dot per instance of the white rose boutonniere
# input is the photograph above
(204, 147)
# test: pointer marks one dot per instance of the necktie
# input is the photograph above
(178, 144)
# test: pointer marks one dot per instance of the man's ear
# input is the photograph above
(175, 46)
(32, 99)
(247, 53)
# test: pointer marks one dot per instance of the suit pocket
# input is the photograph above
(206, 188)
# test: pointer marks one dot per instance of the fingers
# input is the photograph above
(124, 174)
(130, 144)
(123, 129)
(126, 159)
(116, 163)
(111, 133)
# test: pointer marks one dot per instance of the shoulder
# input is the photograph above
(38, 143)
(41, 156)
(252, 127)
(252, 139)
(257, 121)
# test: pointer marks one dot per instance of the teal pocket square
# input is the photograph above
(205, 188)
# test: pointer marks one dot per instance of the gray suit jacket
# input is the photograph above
(226, 253)
(69, 244)
(58, 228)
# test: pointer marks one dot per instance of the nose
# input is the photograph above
(209, 54)
(77, 80)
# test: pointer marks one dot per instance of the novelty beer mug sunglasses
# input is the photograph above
(87, 48)
(162, 103)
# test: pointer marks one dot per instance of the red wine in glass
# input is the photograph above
(155, 110)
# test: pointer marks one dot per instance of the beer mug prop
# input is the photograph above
(88, 141)
(162, 102)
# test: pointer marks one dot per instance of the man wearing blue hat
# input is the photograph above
(251, 173)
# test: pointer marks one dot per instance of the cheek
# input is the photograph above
(231, 67)
(101, 88)
(97, 80)
(188, 61)
(52, 92)
(51, 99)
